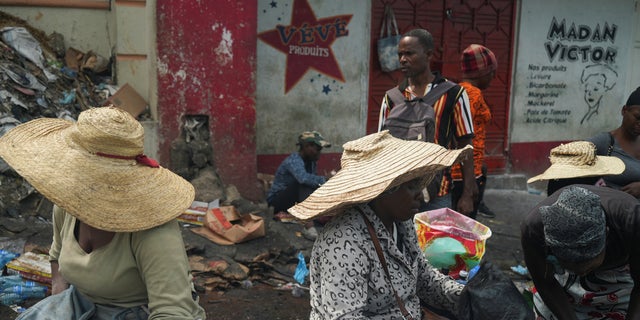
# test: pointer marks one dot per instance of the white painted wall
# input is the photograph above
(549, 94)
(339, 114)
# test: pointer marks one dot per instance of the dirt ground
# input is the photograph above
(258, 302)
(264, 301)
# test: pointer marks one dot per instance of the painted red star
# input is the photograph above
(284, 38)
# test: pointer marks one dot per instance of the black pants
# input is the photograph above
(288, 197)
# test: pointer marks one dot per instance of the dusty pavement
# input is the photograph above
(261, 300)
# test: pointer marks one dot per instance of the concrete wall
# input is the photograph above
(80, 27)
(206, 66)
(573, 57)
(312, 74)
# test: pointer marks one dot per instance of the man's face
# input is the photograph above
(414, 60)
(311, 151)
(485, 81)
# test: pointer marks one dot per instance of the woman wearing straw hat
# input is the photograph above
(366, 262)
(117, 249)
(577, 163)
(581, 248)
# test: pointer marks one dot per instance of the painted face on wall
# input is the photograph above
(414, 60)
(594, 89)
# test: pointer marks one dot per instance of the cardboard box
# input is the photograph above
(195, 214)
(225, 226)
(128, 99)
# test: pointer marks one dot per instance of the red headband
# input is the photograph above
(141, 159)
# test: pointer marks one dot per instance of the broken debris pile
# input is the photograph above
(37, 80)
(40, 77)
(274, 267)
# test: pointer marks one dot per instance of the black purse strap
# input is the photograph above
(383, 261)
(611, 142)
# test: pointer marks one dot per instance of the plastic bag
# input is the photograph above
(24, 43)
(388, 42)
(301, 269)
(450, 240)
(477, 299)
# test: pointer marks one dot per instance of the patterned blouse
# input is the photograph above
(348, 281)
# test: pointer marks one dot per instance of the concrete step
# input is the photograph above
(507, 181)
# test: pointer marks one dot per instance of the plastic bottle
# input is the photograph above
(473, 272)
(8, 299)
(463, 277)
(12, 280)
(27, 292)
(6, 257)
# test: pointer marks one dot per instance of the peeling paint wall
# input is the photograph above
(206, 62)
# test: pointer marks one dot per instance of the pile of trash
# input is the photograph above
(40, 77)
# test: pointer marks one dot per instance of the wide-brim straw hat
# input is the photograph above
(372, 164)
(578, 159)
(96, 171)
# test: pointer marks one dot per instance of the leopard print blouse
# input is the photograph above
(348, 281)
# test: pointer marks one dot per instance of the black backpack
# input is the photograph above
(414, 119)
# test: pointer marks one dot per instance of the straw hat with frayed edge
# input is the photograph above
(95, 170)
(578, 159)
(372, 164)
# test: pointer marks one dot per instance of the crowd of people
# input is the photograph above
(578, 242)
(115, 208)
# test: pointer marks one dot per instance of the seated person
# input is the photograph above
(577, 163)
(366, 263)
(117, 250)
(296, 177)
(624, 143)
(580, 246)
